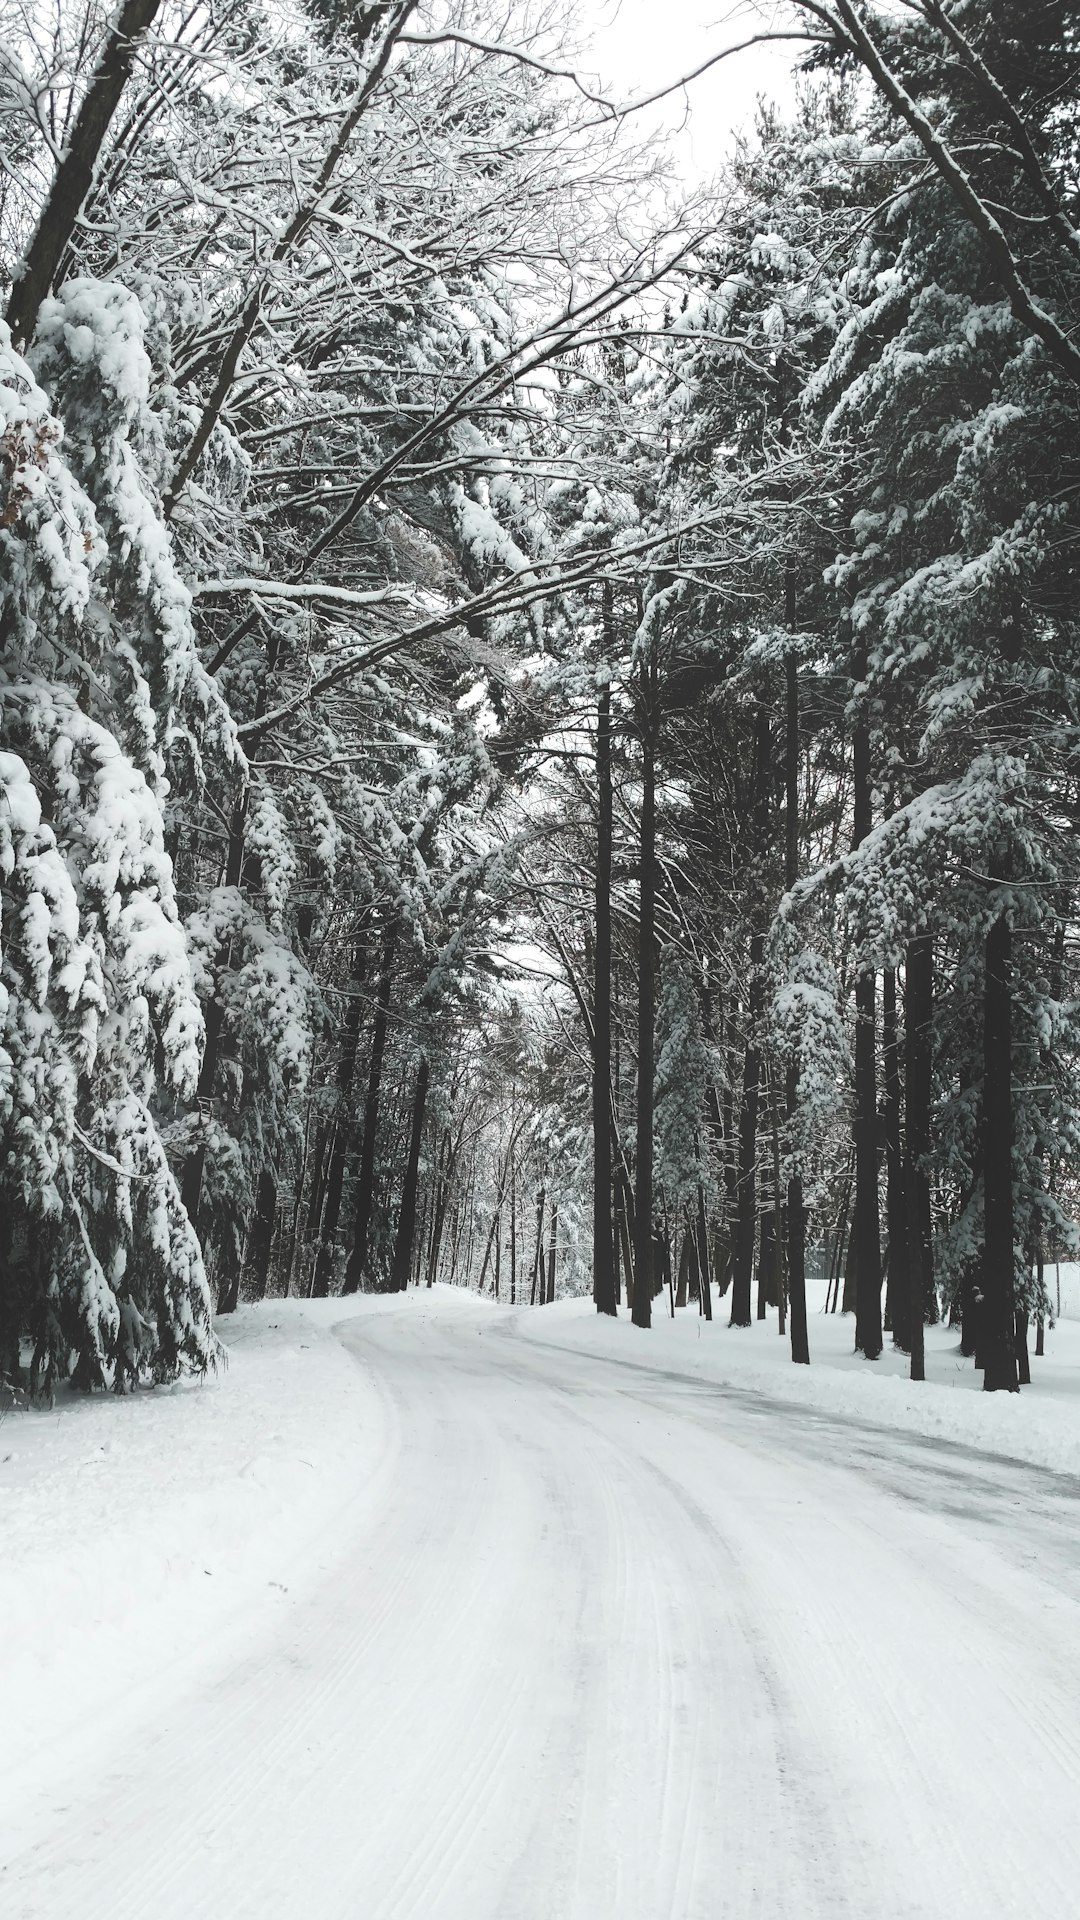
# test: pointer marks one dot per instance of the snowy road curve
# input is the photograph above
(606, 1644)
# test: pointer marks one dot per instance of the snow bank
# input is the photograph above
(1040, 1425)
(149, 1534)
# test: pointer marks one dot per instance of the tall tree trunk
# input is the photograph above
(1023, 1358)
(705, 1279)
(764, 1260)
(643, 1197)
(998, 1312)
(401, 1263)
(918, 1019)
(683, 1268)
(75, 172)
(333, 1179)
(868, 1335)
(470, 1216)
(626, 1238)
(618, 1220)
(553, 1236)
(603, 1264)
(731, 1183)
(898, 1289)
(214, 1018)
(538, 1256)
(742, 1262)
(746, 1222)
(513, 1235)
(796, 1212)
(365, 1184)
(262, 1235)
(778, 1232)
(324, 1152)
(417, 1262)
(450, 1160)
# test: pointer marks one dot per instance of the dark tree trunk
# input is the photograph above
(618, 1219)
(778, 1234)
(513, 1235)
(918, 1019)
(417, 1263)
(742, 1265)
(839, 1242)
(262, 1233)
(603, 1264)
(796, 1212)
(489, 1244)
(626, 1238)
(998, 1288)
(214, 1018)
(765, 1262)
(552, 1248)
(365, 1184)
(1023, 1361)
(401, 1264)
(75, 173)
(643, 1197)
(705, 1279)
(969, 1312)
(538, 1257)
(332, 1180)
(452, 1152)
(742, 1259)
(898, 1288)
(868, 1335)
(324, 1152)
(850, 1299)
(685, 1249)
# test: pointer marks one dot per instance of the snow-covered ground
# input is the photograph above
(1040, 1425)
(427, 1610)
(142, 1533)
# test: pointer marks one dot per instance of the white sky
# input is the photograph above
(639, 45)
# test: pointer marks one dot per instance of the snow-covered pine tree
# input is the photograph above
(102, 699)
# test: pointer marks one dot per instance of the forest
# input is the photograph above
(539, 704)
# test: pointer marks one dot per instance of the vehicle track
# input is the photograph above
(600, 1646)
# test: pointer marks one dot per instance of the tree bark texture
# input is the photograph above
(918, 1018)
(603, 1262)
(75, 173)
(998, 1288)
(746, 1189)
(401, 1263)
(898, 1287)
(643, 1197)
(796, 1211)
(868, 1333)
(365, 1184)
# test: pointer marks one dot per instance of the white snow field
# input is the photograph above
(415, 1616)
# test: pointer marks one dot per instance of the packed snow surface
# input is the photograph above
(427, 1610)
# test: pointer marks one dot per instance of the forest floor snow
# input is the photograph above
(1040, 1425)
(426, 1610)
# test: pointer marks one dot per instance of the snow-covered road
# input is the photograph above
(612, 1644)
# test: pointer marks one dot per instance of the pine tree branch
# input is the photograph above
(993, 90)
(848, 23)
